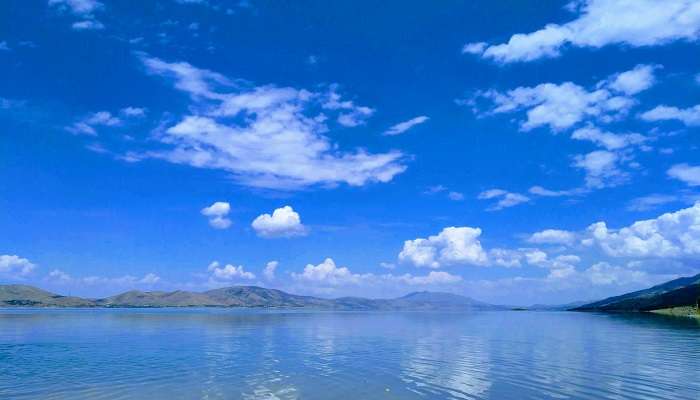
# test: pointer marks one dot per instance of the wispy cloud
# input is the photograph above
(406, 125)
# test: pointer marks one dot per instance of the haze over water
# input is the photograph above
(244, 354)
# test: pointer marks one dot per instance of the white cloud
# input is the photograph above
(195, 81)
(355, 117)
(78, 7)
(561, 106)
(675, 234)
(351, 114)
(328, 273)
(277, 142)
(284, 222)
(610, 141)
(451, 194)
(387, 265)
(455, 196)
(552, 236)
(435, 189)
(87, 125)
(492, 193)
(88, 25)
(453, 245)
(85, 9)
(15, 266)
(600, 23)
(4, 46)
(228, 272)
(650, 202)
(133, 111)
(150, 279)
(689, 174)
(603, 273)
(506, 199)
(601, 168)
(270, 269)
(406, 125)
(432, 278)
(688, 116)
(540, 191)
(57, 275)
(61, 277)
(216, 213)
(506, 258)
(474, 48)
(634, 81)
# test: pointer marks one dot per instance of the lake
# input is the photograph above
(253, 354)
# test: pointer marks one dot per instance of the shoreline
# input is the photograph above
(684, 311)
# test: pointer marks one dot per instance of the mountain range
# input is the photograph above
(241, 296)
(682, 292)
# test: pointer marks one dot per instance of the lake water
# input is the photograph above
(241, 354)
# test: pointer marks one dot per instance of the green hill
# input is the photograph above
(680, 292)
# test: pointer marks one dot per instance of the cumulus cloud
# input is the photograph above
(328, 273)
(453, 245)
(270, 269)
(406, 125)
(15, 267)
(599, 23)
(688, 116)
(601, 168)
(608, 140)
(217, 214)
(552, 236)
(266, 136)
(228, 272)
(634, 81)
(284, 222)
(675, 234)
(561, 106)
(687, 173)
(505, 199)
(603, 273)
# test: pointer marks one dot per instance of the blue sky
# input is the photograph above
(512, 152)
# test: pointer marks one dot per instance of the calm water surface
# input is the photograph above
(234, 354)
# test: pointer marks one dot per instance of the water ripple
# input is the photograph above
(224, 354)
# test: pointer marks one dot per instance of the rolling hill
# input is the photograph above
(241, 296)
(676, 293)
(29, 296)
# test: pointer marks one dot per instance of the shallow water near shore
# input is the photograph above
(255, 354)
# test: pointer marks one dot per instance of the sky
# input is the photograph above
(514, 152)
